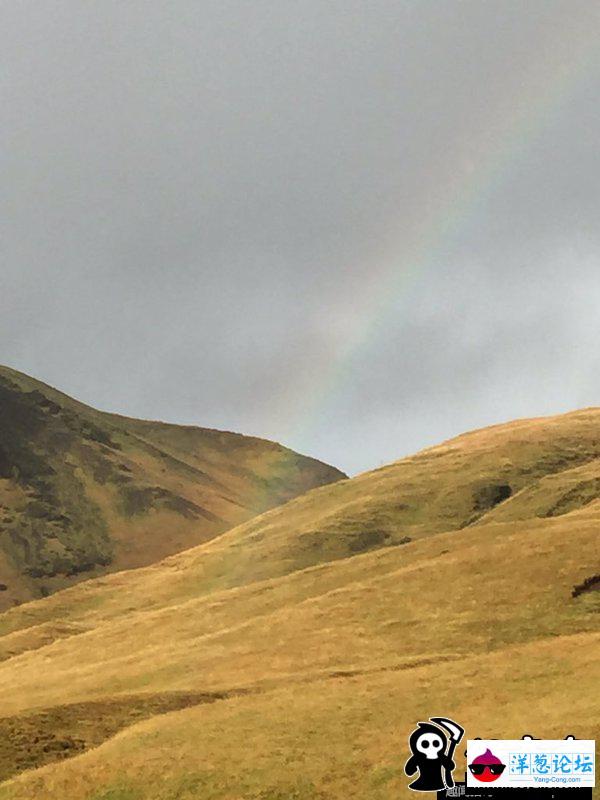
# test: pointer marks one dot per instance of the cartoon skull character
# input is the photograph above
(428, 747)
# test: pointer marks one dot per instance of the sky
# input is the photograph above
(355, 227)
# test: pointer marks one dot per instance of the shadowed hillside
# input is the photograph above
(84, 492)
(461, 581)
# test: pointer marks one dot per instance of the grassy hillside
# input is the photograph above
(461, 581)
(84, 492)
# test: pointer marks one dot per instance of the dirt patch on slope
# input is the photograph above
(32, 740)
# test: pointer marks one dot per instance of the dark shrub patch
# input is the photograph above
(366, 540)
(591, 584)
(489, 496)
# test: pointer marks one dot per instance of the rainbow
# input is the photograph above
(505, 138)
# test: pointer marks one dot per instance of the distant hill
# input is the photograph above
(296, 651)
(84, 492)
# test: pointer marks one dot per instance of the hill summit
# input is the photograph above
(84, 492)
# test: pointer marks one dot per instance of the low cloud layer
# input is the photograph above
(354, 227)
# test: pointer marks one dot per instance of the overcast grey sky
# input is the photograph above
(355, 227)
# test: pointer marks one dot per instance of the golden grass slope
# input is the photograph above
(332, 663)
(333, 739)
(83, 492)
(435, 600)
(453, 486)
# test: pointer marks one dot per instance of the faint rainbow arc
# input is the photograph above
(541, 98)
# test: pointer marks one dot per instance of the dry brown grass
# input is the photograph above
(473, 618)
(339, 739)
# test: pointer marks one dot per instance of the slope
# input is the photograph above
(519, 471)
(333, 739)
(83, 492)
(323, 669)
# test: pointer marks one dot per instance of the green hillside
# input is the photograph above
(83, 492)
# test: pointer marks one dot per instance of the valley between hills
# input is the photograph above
(287, 654)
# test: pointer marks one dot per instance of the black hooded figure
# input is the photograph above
(428, 747)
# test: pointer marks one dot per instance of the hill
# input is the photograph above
(84, 492)
(291, 656)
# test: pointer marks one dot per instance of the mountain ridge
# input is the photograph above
(84, 491)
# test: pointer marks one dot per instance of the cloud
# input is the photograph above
(210, 213)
